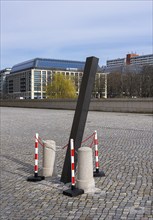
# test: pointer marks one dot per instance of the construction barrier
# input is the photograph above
(97, 173)
(36, 178)
(36, 156)
(72, 165)
(73, 191)
(94, 142)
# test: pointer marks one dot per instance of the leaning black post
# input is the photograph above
(80, 115)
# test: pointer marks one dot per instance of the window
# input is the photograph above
(44, 77)
(37, 95)
(37, 80)
(37, 74)
(10, 86)
(22, 84)
(29, 81)
(49, 76)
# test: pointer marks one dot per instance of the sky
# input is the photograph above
(74, 30)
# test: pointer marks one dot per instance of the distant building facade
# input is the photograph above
(115, 62)
(3, 84)
(29, 79)
(132, 62)
(142, 60)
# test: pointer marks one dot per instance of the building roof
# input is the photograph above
(41, 63)
(6, 70)
(142, 56)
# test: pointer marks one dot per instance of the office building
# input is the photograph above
(29, 79)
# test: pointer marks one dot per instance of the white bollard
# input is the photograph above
(49, 155)
(85, 178)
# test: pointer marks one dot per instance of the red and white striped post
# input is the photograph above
(36, 177)
(72, 164)
(96, 151)
(73, 191)
(97, 173)
(36, 155)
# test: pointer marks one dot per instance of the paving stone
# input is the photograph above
(125, 155)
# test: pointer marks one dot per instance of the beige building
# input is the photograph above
(29, 79)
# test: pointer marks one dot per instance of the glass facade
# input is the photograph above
(41, 79)
(59, 64)
(37, 81)
(39, 63)
(23, 66)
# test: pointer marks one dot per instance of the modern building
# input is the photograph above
(115, 62)
(29, 79)
(3, 85)
(142, 60)
(132, 62)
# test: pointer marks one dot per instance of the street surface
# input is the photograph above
(125, 154)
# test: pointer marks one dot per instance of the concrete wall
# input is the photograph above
(107, 105)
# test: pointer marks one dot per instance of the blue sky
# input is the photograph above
(74, 29)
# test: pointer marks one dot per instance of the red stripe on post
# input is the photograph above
(73, 180)
(36, 156)
(72, 166)
(96, 153)
(95, 142)
(36, 168)
(36, 144)
(97, 164)
(72, 153)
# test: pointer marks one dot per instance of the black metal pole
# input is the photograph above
(80, 115)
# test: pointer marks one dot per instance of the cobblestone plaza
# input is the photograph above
(125, 154)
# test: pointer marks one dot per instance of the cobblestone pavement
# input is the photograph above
(126, 157)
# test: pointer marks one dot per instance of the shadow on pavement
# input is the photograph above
(26, 167)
